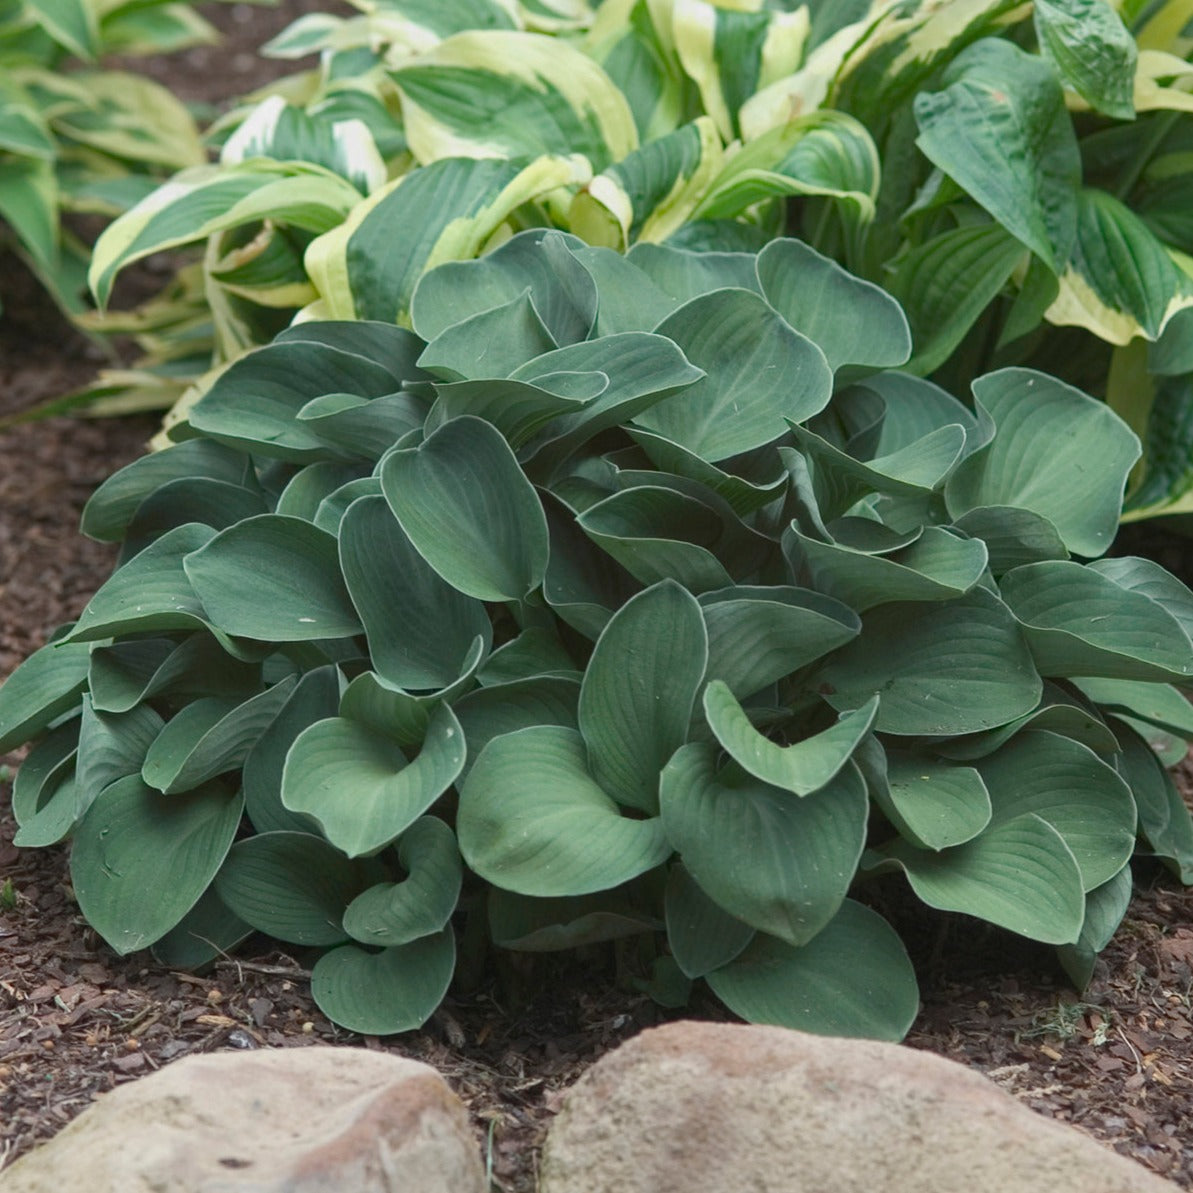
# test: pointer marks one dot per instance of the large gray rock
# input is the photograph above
(724, 1108)
(303, 1120)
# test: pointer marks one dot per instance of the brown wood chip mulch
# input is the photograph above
(75, 1020)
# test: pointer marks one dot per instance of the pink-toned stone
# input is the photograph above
(726, 1108)
(302, 1120)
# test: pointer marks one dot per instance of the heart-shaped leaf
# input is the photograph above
(702, 935)
(46, 685)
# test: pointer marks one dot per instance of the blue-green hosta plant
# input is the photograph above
(618, 596)
(84, 140)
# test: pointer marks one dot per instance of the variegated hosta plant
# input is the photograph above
(621, 596)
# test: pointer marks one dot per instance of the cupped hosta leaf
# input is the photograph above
(1149, 579)
(781, 864)
(913, 408)
(681, 275)
(529, 925)
(851, 321)
(1159, 704)
(205, 200)
(254, 403)
(1122, 282)
(509, 94)
(1012, 536)
(426, 646)
(44, 802)
(999, 128)
(393, 348)
(533, 821)
(1164, 819)
(1019, 874)
(853, 979)
(359, 785)
(315, 697)
(639, 689)
(1104, 911)
(536, 651)
(759, 373)
(757, 636)
(1070, 787)
(1078, 621)
(382, 993)
(213, 503)
(1092, 50)
(111, 507)
(448, 209)
(209, 930)
(1056, 453)
(210, 737)
(363, 427)
(933, 803)
(516, 408)
(469, 510)
(141, 860)
(942, 668)
(149, 593)
(702, 935)
(272, 578)
(538, 263)
(47, 684)
(422, 903)
(309, 487)
(939, 566)
(111, 746)
(505, 708)
(295, 886)
(658, 534)
(802, 767)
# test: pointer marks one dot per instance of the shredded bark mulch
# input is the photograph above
(76, 1020)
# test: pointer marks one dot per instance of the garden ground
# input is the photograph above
(1116, 1061)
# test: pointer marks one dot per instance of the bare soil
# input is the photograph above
(75, 1020)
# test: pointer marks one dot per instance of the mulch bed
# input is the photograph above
(75, 1020)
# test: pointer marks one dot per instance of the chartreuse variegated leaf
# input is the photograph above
(1104, 910)
(1056, 453)
(1079, 621)
(782, 865)
(1121, 282)
(759, 373)
(295, 886)
(205, 200)
(389, 914)
(933, 803)
(853, 978)
(469, 510)
(1164, 819)
(151, 592)
(1019, 874)
(639, 690)
(651, 193)
(210, 737)
(942, 668)
(1069, 786)
(851, 321)
(803, 767)
(449, 208)
(388, 792)
(512, 95)
(134, 839)
(534, 821)
(561, 290)
(254, 404)
(44, 800)
(758, 635)
(29, 201)
(427, 646)
(71, 23)
(381, 993)
(274, 578)
(47, 684)
(1092, 50)
(530, 925)
(998, 127)
(315, 697)
(702, 935)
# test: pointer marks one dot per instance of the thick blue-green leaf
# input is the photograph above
(44, 801)
(530, 925)
(46, 685)
(111, 746)
(1104, 911)
(1164, 819)
(701, 934)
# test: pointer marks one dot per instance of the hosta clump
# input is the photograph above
(622, 596)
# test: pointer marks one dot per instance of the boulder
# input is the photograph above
(727, 1108)
(300, 1120)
